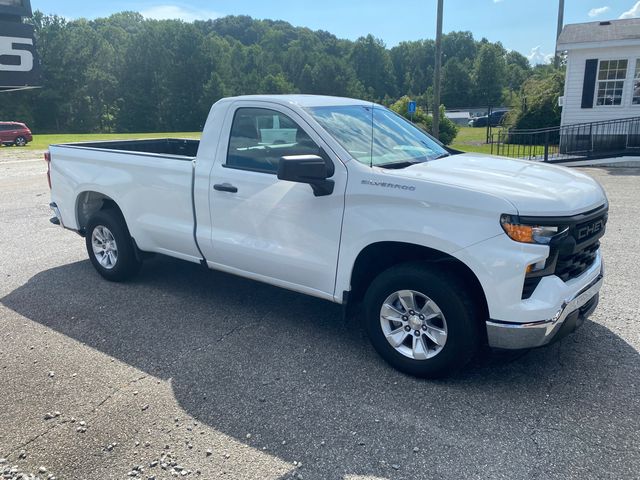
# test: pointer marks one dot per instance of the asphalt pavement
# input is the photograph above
(197, 374)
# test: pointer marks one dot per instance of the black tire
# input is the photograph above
(127, 263)
(20, 141)
(453, 299)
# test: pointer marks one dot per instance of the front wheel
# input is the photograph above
(110, 247)
(20, 141)
(421, 320)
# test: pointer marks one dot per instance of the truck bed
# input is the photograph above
(151, 178)
(179, 148)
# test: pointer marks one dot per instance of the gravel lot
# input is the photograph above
(185, 372)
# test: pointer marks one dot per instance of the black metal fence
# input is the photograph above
(570, 142)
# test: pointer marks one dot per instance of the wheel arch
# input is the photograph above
(380, 256)
(88, 203)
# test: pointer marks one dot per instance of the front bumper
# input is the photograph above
(571, 315)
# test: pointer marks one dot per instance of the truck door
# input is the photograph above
(265, 228)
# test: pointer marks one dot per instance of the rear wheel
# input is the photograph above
(20, 141)
(110, 246)
(421, 320)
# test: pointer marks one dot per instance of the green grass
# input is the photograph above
(42, 142)
(471, 139)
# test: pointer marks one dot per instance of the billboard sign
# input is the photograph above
(19, 66)
(15, 8)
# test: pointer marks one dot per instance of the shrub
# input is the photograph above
(539, 108)
(448, 129)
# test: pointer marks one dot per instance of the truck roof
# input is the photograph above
(302, 100)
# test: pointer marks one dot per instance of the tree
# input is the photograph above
(458, 45)
(276, 84)
(372, 64)
(413, 64)
(517, 70)
(489, 74)
(540, 108)
(457, 86)
(516, 58)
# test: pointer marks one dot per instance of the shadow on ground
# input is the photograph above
(247, 357)
(618, 171)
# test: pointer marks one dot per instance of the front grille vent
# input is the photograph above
(572, 266)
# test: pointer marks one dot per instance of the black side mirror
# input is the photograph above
(311, 169)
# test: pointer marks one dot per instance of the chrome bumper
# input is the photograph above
(511, 335)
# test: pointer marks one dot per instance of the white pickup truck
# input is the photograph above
(344, 200)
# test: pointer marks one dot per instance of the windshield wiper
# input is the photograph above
(398, 165)
(408, 163)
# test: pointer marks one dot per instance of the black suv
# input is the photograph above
(495, 119)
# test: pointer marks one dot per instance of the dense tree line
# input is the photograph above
(128, 74)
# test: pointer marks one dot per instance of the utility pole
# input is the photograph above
(556, 60)
(436, 74)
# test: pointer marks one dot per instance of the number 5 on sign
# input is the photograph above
(9, 47)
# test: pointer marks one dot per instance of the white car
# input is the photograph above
(344, 200)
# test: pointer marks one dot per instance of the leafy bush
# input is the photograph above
(539, 107)
(448, 129)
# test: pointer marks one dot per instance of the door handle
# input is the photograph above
(225, 187)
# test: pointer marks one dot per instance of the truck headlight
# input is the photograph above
(519, 232)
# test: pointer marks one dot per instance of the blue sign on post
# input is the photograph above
(411, 107)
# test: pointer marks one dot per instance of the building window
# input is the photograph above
(611, 75)
(636, 84)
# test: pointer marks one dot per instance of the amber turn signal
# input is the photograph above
(519, 233)
(527, 233)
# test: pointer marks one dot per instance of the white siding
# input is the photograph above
(571, 111)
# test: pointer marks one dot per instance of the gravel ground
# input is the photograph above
(13, 154)
(185, 372)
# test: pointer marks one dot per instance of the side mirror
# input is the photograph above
(311, 169)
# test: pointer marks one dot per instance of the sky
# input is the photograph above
(527, 26)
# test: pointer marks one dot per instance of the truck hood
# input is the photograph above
(534, 188)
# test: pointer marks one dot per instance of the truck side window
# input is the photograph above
(259, 137)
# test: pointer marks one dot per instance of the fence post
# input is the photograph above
(546, 145)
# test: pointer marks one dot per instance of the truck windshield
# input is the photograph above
(376, 136)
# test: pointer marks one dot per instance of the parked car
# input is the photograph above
(15, 133)
(349, 202)
(496, 119)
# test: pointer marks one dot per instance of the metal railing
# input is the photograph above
(570, 142)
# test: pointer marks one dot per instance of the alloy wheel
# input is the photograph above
(104, 246)
(413, 324)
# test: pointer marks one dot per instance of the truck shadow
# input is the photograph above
(286, 367)
(618, 171)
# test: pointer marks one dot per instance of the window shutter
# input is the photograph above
(589, 83)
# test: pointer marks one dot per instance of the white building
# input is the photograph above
(459, 118)
(603, 71)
